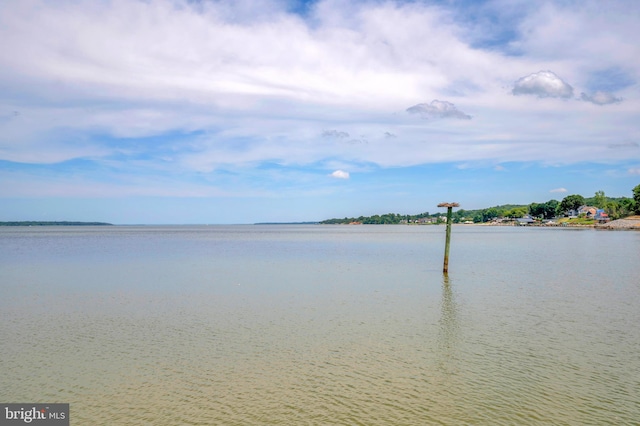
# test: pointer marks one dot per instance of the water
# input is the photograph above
(340, 325)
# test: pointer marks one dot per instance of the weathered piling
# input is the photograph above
(449, 206)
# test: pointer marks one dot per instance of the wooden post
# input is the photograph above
(449, 206)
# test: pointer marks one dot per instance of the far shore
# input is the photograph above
(627, 223)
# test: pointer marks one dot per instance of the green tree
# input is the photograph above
(544, 210)
(459, 216)
(488, 214)
(619, 208)
(636, 198)
(599, 200)
(615, 209)
(627, 206)
(570, 202)
(551, 207)
(373, 220)
(536, 209)
(516, 212)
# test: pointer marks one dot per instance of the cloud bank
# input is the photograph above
(229, 95)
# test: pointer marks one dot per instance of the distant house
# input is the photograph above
(424, 220)
(526, 220)
(601, 216)
(588, 211)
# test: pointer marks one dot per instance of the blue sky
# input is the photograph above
(175, 111)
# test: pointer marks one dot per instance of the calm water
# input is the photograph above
(322, 325)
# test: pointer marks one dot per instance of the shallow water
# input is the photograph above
(342, 325)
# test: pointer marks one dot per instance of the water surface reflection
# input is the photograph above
(321, 325)
(448, 325)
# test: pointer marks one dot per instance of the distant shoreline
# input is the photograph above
(627, 223)
(287, 223)
(63, 223)
(631, 222)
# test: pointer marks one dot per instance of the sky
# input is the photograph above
(224, 112)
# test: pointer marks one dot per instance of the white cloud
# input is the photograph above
(249, 83)
(558, 190)
(543, 84)
(601, 98)
(438, 109)
(340, 174)
(634, 171)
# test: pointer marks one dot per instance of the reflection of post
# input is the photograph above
(449, 206)
(449, 376)
(448, 320)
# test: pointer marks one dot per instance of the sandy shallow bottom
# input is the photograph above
(323, 325)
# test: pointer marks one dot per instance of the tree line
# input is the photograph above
(616, 208)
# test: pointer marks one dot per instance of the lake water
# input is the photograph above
(322, 325)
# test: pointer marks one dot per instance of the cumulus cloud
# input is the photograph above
(340, 174)
(559, 190)
(543, 84)
(438, 109)
(601, 98)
